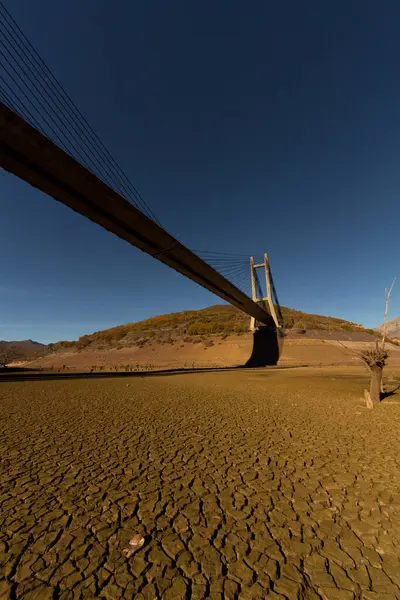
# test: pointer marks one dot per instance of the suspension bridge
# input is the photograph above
(46, 141)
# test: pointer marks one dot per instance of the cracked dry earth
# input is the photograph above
(245, 484)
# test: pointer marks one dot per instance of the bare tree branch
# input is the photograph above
(387, 298)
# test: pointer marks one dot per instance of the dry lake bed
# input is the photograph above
(245, 485)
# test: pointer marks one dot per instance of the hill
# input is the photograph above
(20, 350)
(194, 326)
(393, 328)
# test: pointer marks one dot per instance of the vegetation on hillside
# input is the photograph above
(197, 325)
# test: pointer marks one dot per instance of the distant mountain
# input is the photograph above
(20, 350)
(393, 328)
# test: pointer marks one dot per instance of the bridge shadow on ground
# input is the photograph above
(267, 346)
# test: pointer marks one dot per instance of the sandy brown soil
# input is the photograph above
(235, 350)
(245, 484)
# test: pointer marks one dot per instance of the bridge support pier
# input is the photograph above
(267, 337)
(268, 298)
(267, 343)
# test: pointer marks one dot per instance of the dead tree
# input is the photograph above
(376, 359)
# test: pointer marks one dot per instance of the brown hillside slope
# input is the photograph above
(312, 348)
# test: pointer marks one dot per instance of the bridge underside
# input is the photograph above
(30, 155)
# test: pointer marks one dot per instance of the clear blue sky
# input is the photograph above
(247, 128)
